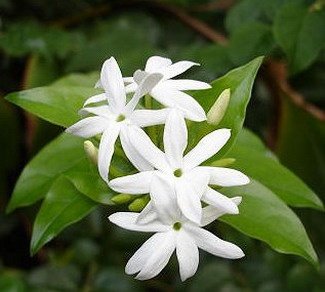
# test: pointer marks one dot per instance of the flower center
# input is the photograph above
(177, 226)
(178, 172)
(120, 118)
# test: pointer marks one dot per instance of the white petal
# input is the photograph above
(186, 84)
(207, 147)
(142, 143)
(159, 258)
(198, 179)
(134, 184)
(188, 200)
(187, 255)
(148, 214)
(106, 150)
(226, 177)
(164, 199)
(177, 68)
(210, 213)
(145, 118)
(112, 81)
(102, 111)
(156, 63)
(146, 85)
(88, 127)
(179, 100)
(96, 98)
(141, 256)
(219, 201)
(214, 245)
(132, 154)
(127, 220)
(175, 138)
(128, 79)
(139, 75)
(132, 87)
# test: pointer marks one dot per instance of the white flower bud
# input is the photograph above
(91, 151)
(218, 110)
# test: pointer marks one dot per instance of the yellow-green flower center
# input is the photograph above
(177, 226)
(120, 118)
(178, 172)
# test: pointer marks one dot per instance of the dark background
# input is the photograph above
(43, 40)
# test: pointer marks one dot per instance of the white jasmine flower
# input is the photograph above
(168, 91)
(183, 173)
(112, 119)
(173, 232)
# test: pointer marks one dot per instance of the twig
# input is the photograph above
(278, 74)
(199, 26)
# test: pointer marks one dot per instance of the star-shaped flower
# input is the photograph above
(113, 118)
(183, 173)
(168, 91)
(173, 232)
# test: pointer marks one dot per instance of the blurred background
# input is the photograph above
(41, 41)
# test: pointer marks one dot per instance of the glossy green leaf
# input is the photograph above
(256, 161)
(240, 82)
(62, 206)
(301, 34)
(91, 185)
(62, 154)
(56, 104)
(266, 217)
(86, 80)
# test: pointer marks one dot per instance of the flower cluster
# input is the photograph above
(177, 183)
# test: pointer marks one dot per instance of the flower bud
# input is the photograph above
(121, 198)
(218, 110)
(223, 162)
(138, 204)
(91, 151)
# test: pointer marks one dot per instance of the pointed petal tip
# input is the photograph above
(238, 253)
(243, 180)
(237, 200)
(234, 210)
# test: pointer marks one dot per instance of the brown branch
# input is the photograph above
(197, 25)
(278, 73)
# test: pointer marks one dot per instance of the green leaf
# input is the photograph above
(62, 154)
(256, 161)
(86, 80)
(301, 34)
(244, 12)
(56, 104)
(266, 217)
(62, 206)
(301, 145)
(91, 185)
(249, 41)
(240, 81)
